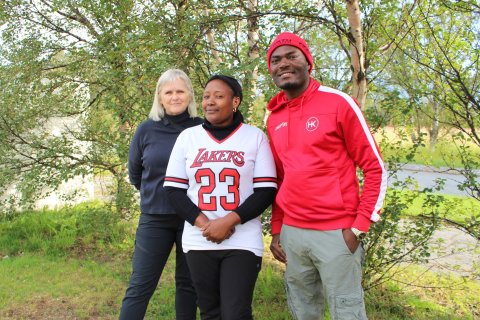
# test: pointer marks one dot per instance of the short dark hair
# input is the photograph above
(231, 82)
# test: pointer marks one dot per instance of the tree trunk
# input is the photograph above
(435, 125)
(253, 54)
(359, 79)
(211, 43)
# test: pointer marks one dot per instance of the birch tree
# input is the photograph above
(359, 77)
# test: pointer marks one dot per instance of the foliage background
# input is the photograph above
(76, 78)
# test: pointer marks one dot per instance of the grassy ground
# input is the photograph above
(46, 287)
(445, 153)
(62, 265)
(458, 208)
(42, 287)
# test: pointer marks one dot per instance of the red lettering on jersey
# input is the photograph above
(229, 157)
(203, 156)
(197, 162)
(213, 156)
(222, 156)
(239, 159)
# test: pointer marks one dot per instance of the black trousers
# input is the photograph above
(155, 237)
(224, 281)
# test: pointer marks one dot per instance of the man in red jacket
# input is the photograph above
(319, 137)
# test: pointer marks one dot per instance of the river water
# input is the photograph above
(426, 177)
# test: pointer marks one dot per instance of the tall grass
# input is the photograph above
(86, 226)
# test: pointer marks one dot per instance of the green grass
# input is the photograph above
(455, 208)
(447, 152)
(70, 288)
(76, 289)
(79, 229)
(444, 155)
(431, 296)
(87, 280)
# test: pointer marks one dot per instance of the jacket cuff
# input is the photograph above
(362, 223)
(276, 228)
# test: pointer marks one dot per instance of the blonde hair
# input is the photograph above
(158, 111)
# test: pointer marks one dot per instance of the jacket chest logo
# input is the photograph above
(311, 124)
(281, 125)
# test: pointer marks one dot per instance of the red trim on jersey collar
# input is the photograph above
(224, 139)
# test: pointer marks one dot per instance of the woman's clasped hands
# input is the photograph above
(219, 229)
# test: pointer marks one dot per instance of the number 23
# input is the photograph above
(210, 203)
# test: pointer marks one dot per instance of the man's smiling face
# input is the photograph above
(289, 70)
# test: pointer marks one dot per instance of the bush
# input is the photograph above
(83, 228)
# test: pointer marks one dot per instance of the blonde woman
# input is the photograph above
(174, 109)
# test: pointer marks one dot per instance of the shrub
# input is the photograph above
(87, 227)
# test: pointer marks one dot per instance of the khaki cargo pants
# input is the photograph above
(321, 267)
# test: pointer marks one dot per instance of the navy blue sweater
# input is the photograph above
(149, 152)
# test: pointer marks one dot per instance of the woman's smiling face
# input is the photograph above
(218, 103)
(175, 97)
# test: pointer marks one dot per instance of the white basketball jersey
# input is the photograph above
(219, 176)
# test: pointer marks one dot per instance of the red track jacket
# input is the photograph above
(318, 140)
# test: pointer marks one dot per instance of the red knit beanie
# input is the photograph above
(290, 39)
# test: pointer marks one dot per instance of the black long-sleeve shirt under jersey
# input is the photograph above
(251, 208)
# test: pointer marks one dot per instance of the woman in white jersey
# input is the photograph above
(220, 178)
